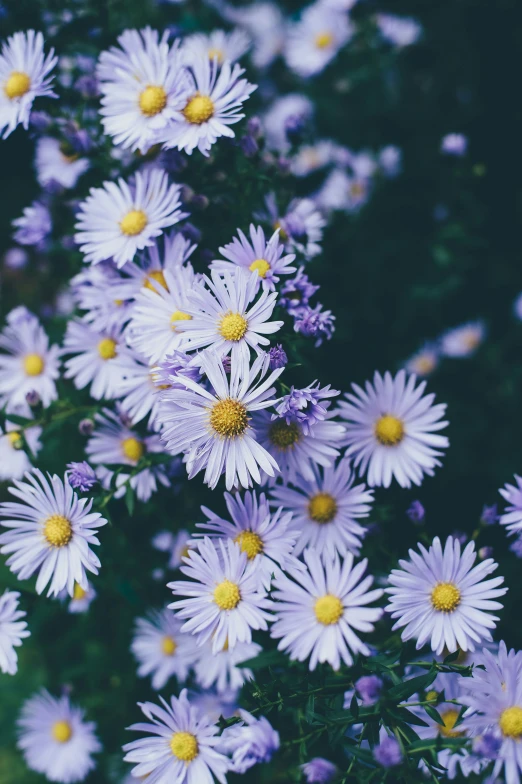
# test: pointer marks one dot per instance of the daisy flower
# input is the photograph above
(398, 30)
(425, 361)
(249, 742)
(224, 316)
(215, 99)
(315, 40)
(96, 290)
(117, 220)
(301, 227)
(263, 535)
(14, 461)
(265, 25)
(319, 610)
(217, 45)
(161, 649)
(225, 600)
(54, 165)
(143, 87)
(325, 510)
(258, 255)
(286, 110)
(512, 517)
(140, 395)
(224, 669)
(34, 226)
(463, 341)
(440, 597)
(212, 425)
(179, 746)
(12, 631)
(24, 76)
(29, 364)
(55, 739)
(391, 429)
(50, 532)
(81, 598)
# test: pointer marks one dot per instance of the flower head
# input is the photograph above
(250, 742)
(12, 631)
(161, 649)
(81, 476)
(304, 406)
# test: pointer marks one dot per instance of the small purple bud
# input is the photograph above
(294, 127)
(369, 688)
(227, 364)
(40, 121)
(319, 771)
(278, 358)
(388, 753)
(32, 397)
(254, 127)
(283, 164)
(249, 146)
(416, 512)
(87, 86)
(489, 515)
(86, 427)
(199, 201)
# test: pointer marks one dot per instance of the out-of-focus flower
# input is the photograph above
(34, 227)
(250, 742)
(316, 38)
(81, 476)
(12, 631)
(319, 771)
(463, 341)
(388, 753)
(454, 144)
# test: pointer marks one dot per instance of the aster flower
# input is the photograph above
(315, 40)
(391, 429)
(440, 597)
(319, 771)
(140, 395)
(398, 30)
(424, 361)
(177, 545)
(454, 144)
(12, 631)
(304, 406)
(217, 45)
(302, 227)
(314, 157)
(96, 291)
(295, 293)
(265, 24)
(315, 323)
(55, 739)
(225, 600)
(179, 745)
(325, 510)
(258, 255)
(57, 165)
(292, 109)
(24, 75)
(463, 341)
(119, 219)
(224, 669)
(14, 461)
(212, 426)
(81, 476)
(250, 742)
(34, 226)
(51, 531)
(161, 649)
(278, 358)
(512, 517)
(388, 753)
(319, 610)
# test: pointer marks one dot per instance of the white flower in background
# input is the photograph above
(425, 361)
(463, 341)
(512, 517)
(266, 27)
(312, 157)
(217, 45)
(34, 226)
(301, 227)
(398, 30)
(316, 38)
(12, 631)
(224, 669)
(250, 742)
(161, 649)
(56, 165)
(95, 289)
(284, 111)
(14, 460)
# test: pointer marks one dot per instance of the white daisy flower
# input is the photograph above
(265, 25)
(215, 101)
(51, 531)
(226, 601)
(257, 256)
(315, 40)
(440, 597)
(179, 747)
(96, 291)
(463, 341)
(161, 649)
(55, 739)
(24, 76)
(213, 427)
(301, 227)
(224, 669)
(319, 610)
(119, 219)
(284, 110)
(325, 510)
(391, 429)
(263, 535)
(12, 631)
(398, 30)
(29, 364)
(140, 396)
(217, 45)
(54, 165)
(512, 517)
(313, 157)
(14, 461)
(143, 87)
(425, 361)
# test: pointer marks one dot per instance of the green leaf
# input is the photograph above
(265, 659)
(411, 686)
(354, 707)
(451, 657)
(130, 499)
(434, 714)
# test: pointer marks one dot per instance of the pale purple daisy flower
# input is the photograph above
(177, 545)
(140, 395)
(425, 361)
(217, 45)
(316, 38)
(81, 598)
(14, 461)
(96, 290)
(512, 517)
(250, 742)
(454, 144)
(224, 669)
(314, 323)
(81, 476)
(463, 341)
(305, 406)
(12, 631)
(441, 597)
(34, 226)
(293, 110)
(161, 649)
(319, 771)
(57, 167)
(301, 227)
(319, 610)
(225, 599)
(398, 30)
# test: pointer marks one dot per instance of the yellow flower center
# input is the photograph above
(168, 646)
(178, 315)
(17, 85)
(510, 722)
(79, 592)
(133, 223)
(445, 597)
(250, 543)
(232, 326)
(322, 508)
(199, 109)
(159, 277)
(424, 365)
(227, 595)
(449, 718)
(432, 695)
(107, 348)
(328, 609)
(323, 40)
(57, 530)
(389, 430)
(184, 746)
(33, 364)
(229, 418)
(261, 265)
(153, 100)
(15, 439)
(62, 731)
(216, 53)
(357, 189)
(284, 435)
(132, 448)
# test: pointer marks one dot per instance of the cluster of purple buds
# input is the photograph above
(297, 292)
(81, 476)
(175, 367)
(315, 323)
(306, 406)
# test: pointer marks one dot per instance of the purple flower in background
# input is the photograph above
(81, 476)
(388, 753)
(315, 323)
(319, 771)
(177, 366)
(251, 742)
(296, 293)
(487, 745)
(305, 406)
(416, 512)
(489, 514)
(516, 547)
(278, 358)
(34, 226)
(454, 144)
(369, 689)
(390, 160)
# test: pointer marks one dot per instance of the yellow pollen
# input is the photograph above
(227, 595)
(159, 277)
(328, 609)
(62, 731)
(17, 85)
(510, 722)
(132, 449)
(250, 543)
(153, 100)
(389, 430)
(168, 646)
(284, 435)
(199, 109)
(445, 597)
(178, 315)
(216, 53)
(185, 553)
(233, 326)
(322, 508)
(133, 223)
(57, 530)
(229, 418)
(323, 40)
(449, 718)
(79, 592)
(261, 265)
(15, 439)
(184, 746)
(107, 348)
(118, 303)
(33, 364)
